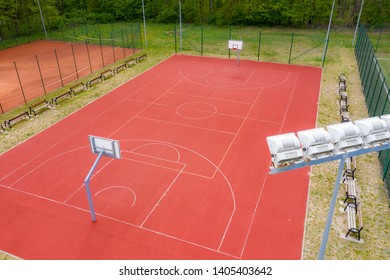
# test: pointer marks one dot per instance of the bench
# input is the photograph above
(106, 74)
(342, 81)
(77, 88)
(349, 173)
(354, 214)
(141, 57)
(67, 94)
(130, 62)
(344, 108)
(120, 68)
(350, 191)
(344, 118)
(93, 81)
(39, 106)
(16, 119)
(343, 98)
(2, 128)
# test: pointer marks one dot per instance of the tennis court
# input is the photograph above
(193, 179)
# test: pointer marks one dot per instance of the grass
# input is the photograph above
(275, 46)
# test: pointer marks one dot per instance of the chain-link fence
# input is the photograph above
(35, 69)
(375, 88)
(271, 45)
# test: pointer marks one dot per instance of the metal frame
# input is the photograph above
(341, 157)
(114, 152)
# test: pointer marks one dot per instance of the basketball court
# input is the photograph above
(192, 181)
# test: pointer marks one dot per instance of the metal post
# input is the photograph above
(291, 46)
(87, 188)
(75, 64)
(40, 74)
(357, 24)
(331, 210)
(59, 68)
(144, 18)
(181, 38)
(43, 22)
(89, 57)
(327, 36)
(20, 82)
(258, 48)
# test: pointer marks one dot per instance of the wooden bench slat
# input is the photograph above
(67, 94)
(106, 74)
(16, 119)
(39, 106)
(93, 81)
(130, 62)
(120, 68)
(77, 88)
(141, 57)
(353, 216)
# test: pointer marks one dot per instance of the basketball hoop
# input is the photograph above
(235, 45)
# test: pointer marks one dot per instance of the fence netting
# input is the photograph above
(71, 54)
(375, 87)
(272, 46)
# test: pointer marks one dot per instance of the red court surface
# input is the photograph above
(193, 180)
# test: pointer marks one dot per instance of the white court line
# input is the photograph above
(188, 125)
(266, 172)
(119, 187)
(125, 223)
(162, 197)
(82, 185)
(230, 188)
(40, 165)
(152, 144)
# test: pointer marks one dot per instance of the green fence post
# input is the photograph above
(379, 96)
(201, 41)
(384, 106)
(123, 44)
(258, 47)
(374, 90)
(174, 30)
(291, 46)
(230, 37)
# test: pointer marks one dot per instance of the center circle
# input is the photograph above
(196, 110)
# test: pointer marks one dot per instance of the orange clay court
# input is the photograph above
(193, 179)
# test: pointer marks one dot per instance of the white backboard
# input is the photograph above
(235, 45)
(111, 147)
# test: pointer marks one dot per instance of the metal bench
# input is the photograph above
(106, 74)
(16, 119)
(342, 81)
(141, 57)
(354, 218)
(130, 62)
(67, 94)
(120, 68)
(77, 88)
(93, 81)
(350, 191)
(44, 104)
